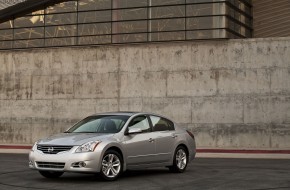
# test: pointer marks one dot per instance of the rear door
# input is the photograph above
(165, 137)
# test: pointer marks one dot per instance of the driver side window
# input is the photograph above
(140, 122)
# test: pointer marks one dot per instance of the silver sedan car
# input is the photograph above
(111, 143)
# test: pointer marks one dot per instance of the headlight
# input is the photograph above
(34, 146)
(88, 147)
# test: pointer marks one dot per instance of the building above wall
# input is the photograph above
(56, 23)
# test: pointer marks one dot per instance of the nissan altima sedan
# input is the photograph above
(111, 143)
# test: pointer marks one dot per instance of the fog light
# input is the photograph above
(82, 164)
(79, 165)
(30, 164)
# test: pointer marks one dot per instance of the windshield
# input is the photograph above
(100, 124)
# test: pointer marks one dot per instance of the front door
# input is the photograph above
(140, 147)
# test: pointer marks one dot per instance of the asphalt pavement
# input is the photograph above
(202, 173)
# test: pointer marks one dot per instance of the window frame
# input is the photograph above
(149, 122)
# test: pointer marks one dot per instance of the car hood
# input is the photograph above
(73, 139)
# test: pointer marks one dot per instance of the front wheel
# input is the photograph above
(180, 160)
(50, 174)
(112, 165)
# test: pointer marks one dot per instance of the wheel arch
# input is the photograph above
(184, 146)
(118, 149)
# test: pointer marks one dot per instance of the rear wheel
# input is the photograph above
(112, 165)
(180, 160)
(50, 174)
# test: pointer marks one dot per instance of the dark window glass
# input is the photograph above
(238, 16)
(29, 33)
(85, 5)
(167, 36)
(104, 39)
(160, 124)
(29, 21)
(68, 6)
(205, 22)
(6, 34)
(129, 3)
(167, 2)
(130, 14)
(170, 125)
(29, 43)
(130, 27)
(240, 5)
(205, 34)
(127, 38)
(7, 24)
(94, 16)
(140, 122)
(167, 24)
(167, 12)
(5, 44)
(60, 31)
(199, 10)
(60, 41)
(58, 19)
(94, 29)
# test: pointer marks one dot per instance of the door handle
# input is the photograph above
(151, 140)
(173, 135)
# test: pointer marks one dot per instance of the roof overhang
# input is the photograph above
(24, 8)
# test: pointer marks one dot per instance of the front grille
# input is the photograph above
(52, 149)
(57, 165)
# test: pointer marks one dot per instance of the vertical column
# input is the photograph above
(219, 8)
(115, 17)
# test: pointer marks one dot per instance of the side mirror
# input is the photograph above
(134, 131)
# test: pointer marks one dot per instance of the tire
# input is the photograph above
(112, 165)
(51, 174)
(180, 160)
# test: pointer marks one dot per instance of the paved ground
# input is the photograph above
(203, 173)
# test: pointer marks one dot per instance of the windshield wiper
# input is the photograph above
(85, 132)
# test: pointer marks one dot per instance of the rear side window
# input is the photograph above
(161, 124)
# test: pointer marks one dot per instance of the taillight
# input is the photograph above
(190, 134)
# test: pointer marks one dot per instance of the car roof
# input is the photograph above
(130, 113)
(127, 113)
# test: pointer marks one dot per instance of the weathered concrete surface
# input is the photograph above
(231, 94)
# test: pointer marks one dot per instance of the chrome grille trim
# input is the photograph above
(55, 165)
(53, 149)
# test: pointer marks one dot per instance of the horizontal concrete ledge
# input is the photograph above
(243, 151)
(243, 156)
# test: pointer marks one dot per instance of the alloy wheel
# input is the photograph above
(181, 159)
(111, 165)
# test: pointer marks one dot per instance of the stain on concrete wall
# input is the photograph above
(231, 94)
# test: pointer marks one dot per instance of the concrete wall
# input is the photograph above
(231, 94)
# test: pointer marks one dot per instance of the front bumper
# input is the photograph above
(69, 161)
